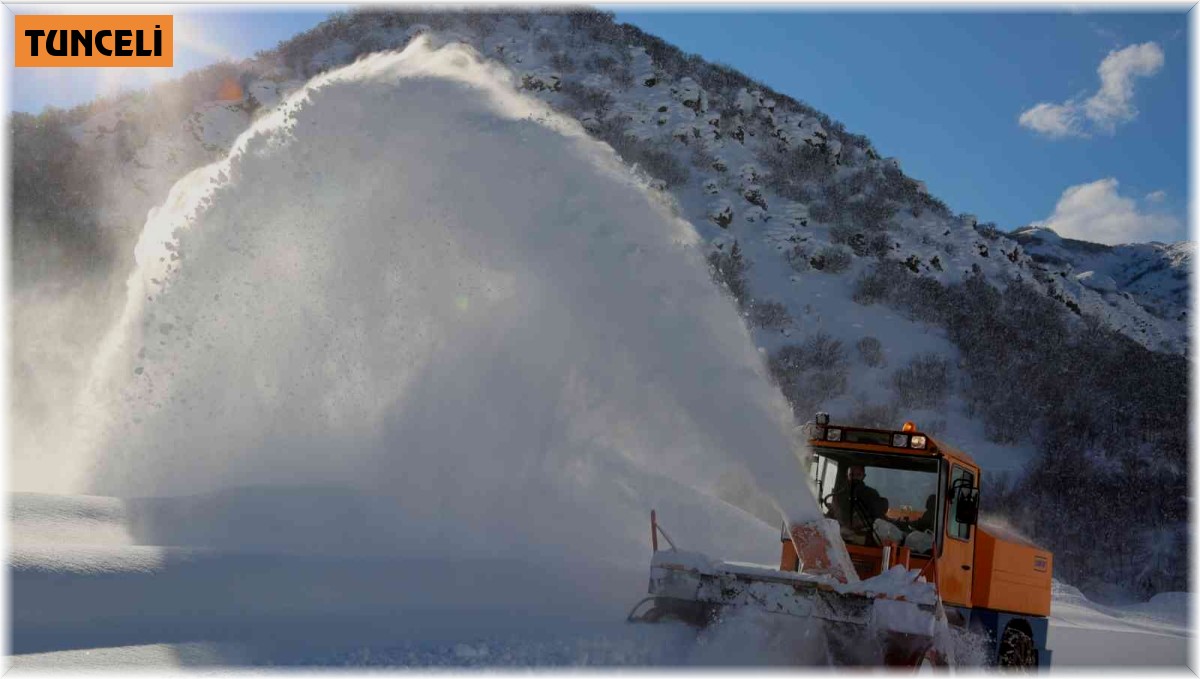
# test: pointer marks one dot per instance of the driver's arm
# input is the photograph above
(879, 506)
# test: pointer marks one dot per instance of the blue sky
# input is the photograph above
(944, 92)
(1099, 159)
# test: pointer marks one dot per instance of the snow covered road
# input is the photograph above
(1154, 633)
(86, 597)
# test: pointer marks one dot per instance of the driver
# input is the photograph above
(856, 506)
(925, 522)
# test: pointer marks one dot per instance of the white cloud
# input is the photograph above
(1156, 196)
(1110, 106)
(1113, 104)
(1053, 120)
(1096, 212)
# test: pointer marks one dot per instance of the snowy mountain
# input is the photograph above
(716, 146)
(865, 295)
(1155, 275)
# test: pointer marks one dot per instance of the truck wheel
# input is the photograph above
(689, 612)
(1017, 649)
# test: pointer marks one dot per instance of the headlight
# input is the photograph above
(917, 442)
(900, 440)
(822, 418)
(833, 434)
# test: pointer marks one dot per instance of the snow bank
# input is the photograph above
(416, 313)
(1152, 633)
(1164, 613)
(60, 519)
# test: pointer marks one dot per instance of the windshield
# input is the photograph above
(879, 498)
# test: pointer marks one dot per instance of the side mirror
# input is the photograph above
(967, 506)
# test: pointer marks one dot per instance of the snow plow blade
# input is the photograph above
(692, 588)
(682, 583)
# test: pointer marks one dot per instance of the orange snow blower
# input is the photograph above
(900, 557)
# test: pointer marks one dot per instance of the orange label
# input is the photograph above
(122, 40)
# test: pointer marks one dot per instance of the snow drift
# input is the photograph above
(417, 314)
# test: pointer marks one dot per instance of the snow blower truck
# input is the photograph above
(899, 559)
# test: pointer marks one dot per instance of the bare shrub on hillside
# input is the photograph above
(870, 350)
(923, 383)
(810, 373)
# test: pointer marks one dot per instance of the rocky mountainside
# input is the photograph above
(742, 162)
(1155, 275)
(868, 296)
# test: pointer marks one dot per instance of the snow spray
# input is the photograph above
(411, 283)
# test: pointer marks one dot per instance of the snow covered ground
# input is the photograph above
(87, 596)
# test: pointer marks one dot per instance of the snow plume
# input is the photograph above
(52, 334)
(414, 285)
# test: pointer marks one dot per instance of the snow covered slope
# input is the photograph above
(707, 143)
(1155, 275)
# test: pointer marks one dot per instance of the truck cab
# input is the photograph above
(902, 497)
